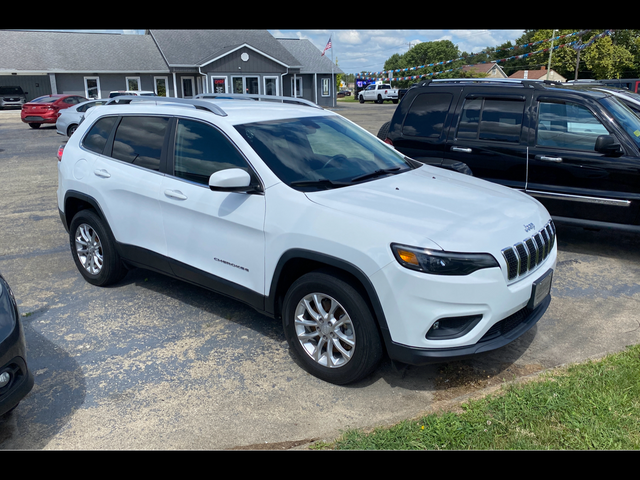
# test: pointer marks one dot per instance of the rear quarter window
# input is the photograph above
(96, 137)
(427, 114)
(493, 119)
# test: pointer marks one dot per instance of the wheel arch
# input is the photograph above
(76, 201)
(297, 262)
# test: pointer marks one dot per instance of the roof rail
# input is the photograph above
(505, 81)
(199, 104)
(253, 96)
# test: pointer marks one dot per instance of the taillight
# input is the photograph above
(388, 140)
(59, 154)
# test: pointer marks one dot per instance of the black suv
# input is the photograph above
(576, 148)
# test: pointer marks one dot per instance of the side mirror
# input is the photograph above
(231, 180)
(608, 145)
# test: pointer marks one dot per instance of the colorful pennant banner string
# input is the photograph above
(575, 44)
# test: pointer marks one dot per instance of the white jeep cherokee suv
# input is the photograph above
(307, 217)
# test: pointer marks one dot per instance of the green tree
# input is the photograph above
(606, 57)
(424, 53)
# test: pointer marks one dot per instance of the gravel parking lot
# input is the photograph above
(153, 363)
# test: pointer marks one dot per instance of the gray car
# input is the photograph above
(11, 96)
(71, 117)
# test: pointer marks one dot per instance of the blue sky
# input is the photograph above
(367, 50)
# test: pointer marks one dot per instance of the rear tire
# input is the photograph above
(93, 250)
(330, 329)
(34, 125)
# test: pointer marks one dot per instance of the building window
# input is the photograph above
(133, 83)
(187, 87)
(326, 91)
(219, 84)
(296, 86)
(92, 87)
(271, 86)
(161, 86)
(248, 85)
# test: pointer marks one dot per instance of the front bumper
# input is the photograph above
(414, 302)
(20, 385)
(501, 334)
(11, 103)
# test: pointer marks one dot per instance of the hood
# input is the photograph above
(457, 212)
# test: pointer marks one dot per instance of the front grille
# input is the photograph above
(527, 255)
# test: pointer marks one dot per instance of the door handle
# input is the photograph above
(177, 194)
(461, 149)
(101, 172)
(549, 159)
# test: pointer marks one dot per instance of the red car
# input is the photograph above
(46, 109)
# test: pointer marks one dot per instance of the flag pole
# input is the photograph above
(333, 78)
(332, 88)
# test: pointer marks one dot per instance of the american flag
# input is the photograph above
(327, 47)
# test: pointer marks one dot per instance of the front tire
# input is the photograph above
(93, 250)
(330, 329)
(383, 133)
(361, 98)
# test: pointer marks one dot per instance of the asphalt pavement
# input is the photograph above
(154, 363)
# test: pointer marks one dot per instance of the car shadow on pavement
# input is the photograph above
(59, 390)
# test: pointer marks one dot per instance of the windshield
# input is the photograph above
(321, 152)
(629, 121)
(10, 91)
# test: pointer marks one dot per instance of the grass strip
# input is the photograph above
(589, 406)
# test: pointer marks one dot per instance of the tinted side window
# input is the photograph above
(96, 138)
(491, 119)
(139, 140)
(567, 125)
(202, 150)
(427, 115)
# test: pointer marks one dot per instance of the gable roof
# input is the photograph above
(535, 74)
(36, 51)
(195, 48)
(309, 56)
(481, 67)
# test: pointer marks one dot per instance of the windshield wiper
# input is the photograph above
(320, 183)
(376, 173)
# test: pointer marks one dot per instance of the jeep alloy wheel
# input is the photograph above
(324, 330)
(93, 250)
(330, 328)
(89, 249)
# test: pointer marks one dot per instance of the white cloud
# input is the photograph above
(350, 37)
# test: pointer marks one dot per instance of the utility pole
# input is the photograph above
(553, 35)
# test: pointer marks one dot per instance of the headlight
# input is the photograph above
(441, 263)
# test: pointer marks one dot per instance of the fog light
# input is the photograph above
(5, 378)
(452, 327)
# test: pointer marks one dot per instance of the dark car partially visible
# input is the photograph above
(16, 380)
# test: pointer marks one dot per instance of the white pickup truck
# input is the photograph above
(378, 92)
